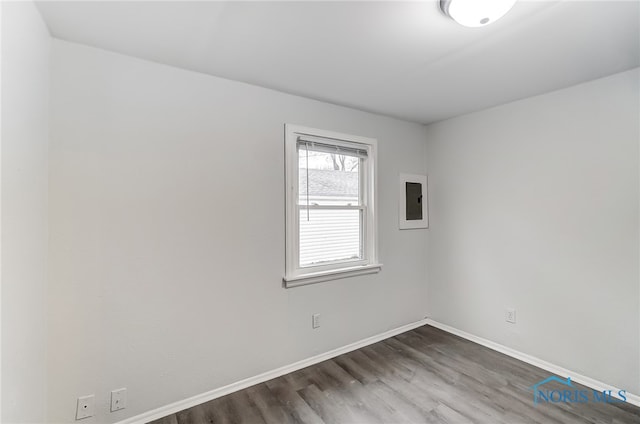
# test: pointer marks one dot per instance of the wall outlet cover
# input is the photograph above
(315, 320)
(86, 407)
(510, 315)
(118, 399)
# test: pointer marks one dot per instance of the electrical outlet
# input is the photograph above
(118, 399)
(510, 315)
(315, 320)
(86, 407)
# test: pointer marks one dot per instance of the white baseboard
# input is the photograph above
(552, 368)
(172, 408)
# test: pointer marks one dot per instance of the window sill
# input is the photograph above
(336, 274)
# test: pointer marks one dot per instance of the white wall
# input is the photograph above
(167, 234)
(25, 92)
(534, 205)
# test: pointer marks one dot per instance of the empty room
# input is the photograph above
(320, 212)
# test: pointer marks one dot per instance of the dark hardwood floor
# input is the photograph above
(423, 376)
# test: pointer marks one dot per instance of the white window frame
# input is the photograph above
(295, 275)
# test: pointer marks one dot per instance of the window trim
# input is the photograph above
(296, 275)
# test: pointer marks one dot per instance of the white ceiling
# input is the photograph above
(403, 59)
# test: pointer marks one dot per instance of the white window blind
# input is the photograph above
(330, 205)
(326, 145)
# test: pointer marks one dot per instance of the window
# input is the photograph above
(331, 221)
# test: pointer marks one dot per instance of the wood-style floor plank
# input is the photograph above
(422, 376)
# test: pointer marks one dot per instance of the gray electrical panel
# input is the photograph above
(414, 201)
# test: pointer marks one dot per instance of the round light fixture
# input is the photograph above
(476, 13)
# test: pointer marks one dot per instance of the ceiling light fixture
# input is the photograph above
(476, 13)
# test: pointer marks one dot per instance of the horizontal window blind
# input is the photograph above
(325, 145)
